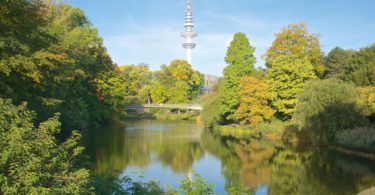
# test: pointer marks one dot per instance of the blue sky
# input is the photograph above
(148, 31)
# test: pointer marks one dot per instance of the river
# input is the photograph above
(172, 150)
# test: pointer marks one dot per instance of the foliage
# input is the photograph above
(360, 138)
(364, 63)
(253, 107)
(137, 77)
(328, 106)
(240, 59)
(144, 94)
(296, 40)
(112, 90)
(240, 190)
(366, 101)
(286, 79)
(210, 114)
(176, 83)
(50, 56)
(338, 64)
(196, 186)
(109, 184)
(241, 132)
(159, 93)
(177, 114)
(32, 160)
(352, 66)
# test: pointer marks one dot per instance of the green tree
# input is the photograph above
(254, 97)
(50, 58)
(32, 160)
(366, 101)
(286, 79)
(364, 66)
(240, 59)
(112, 90)
(137, 76)
(326, 107)
(176, 83)
(338, 64)
(296, 40)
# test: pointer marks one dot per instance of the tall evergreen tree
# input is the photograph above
(240, 59)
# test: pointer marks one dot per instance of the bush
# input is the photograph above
(199, 186)
(241, 132)
(326, 106)
(360, 138)
(33, 161)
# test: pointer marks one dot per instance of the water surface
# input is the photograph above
(172, 150)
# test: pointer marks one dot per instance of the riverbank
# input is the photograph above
(286, 133)
(162, 114)
(367, 155)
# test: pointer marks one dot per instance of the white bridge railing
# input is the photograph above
(176, 106)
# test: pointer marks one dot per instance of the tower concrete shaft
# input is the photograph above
(189, 45)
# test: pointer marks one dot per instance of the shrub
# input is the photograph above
(241, 132)
(360, 138)
(199, 186)
(326, 106)
(32, 160)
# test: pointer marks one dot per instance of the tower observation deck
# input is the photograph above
(189, 45)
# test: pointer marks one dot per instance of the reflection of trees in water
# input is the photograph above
(318, 172)
(245, 163)
(223, 149)
(254, 157)
(290, 170)
(254, 163)
(180, 156)
(175, 145)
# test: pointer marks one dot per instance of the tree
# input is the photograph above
(176, 83)
(50, 58)
(137, 76)
(112, 90)
(296, 40)
(286, 79)
(326, 107)
(364, 66)
(240, 59)
(32, 160)
(254, 97)
(366, 101)
(338, 64)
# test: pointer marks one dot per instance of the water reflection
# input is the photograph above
(182, 147)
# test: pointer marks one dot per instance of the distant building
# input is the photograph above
(209, 82)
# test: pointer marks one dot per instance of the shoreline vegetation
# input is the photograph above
(275, 133)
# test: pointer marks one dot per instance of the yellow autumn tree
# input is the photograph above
(253, 107)
(296, 40)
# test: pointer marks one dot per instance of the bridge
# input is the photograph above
(173, 106)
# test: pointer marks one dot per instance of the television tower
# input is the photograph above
(189, 45)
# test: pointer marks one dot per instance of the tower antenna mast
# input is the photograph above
(189, 45)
